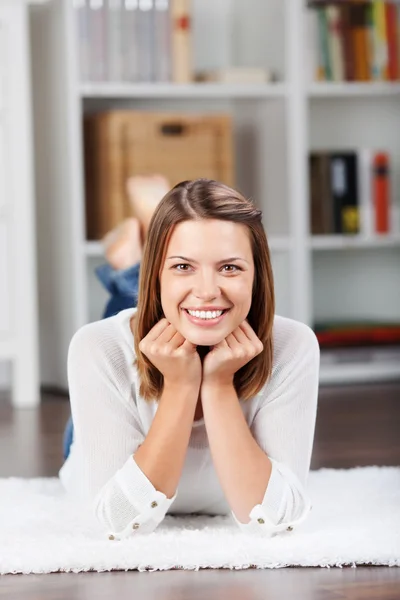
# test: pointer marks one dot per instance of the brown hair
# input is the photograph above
(196, 200)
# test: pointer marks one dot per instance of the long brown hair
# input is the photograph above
(195, 200)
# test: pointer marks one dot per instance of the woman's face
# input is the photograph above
(199, 272)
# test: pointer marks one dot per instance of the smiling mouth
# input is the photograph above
(202, 322)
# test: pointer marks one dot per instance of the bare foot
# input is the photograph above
(145, 193)
(122, 245)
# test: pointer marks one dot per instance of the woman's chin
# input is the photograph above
(203, 339)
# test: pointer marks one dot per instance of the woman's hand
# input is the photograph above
(173, 355)
(231, 354)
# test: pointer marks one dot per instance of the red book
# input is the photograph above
(392, 41)
(381, 191)
(348, 50)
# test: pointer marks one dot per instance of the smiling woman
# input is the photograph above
(219, 227)
(199, 399)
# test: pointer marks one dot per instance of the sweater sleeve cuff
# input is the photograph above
(264, 517)
(140, 492)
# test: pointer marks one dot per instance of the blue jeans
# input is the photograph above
(123, 286)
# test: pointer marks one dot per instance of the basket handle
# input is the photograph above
(172, 128)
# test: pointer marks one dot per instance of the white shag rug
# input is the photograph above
(355, 520)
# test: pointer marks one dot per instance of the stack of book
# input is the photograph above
(134, 40)
(357, 333)
(350, 193)
(358, 342)
(355, 41)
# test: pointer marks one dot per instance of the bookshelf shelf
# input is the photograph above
(353, 90)
(191, 90)
(344, 242)
(276, 244)
(358, 372)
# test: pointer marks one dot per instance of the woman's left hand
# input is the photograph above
(231, 354)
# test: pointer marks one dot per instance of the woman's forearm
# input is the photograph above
(161, 456)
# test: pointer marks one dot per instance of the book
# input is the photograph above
(350, 193)
(313, 55)
(392, 41)
(357, 333)
(335, 42)
(145, 41)
(381, 192)
(360, 40)
(162, 41)
(326, 66)
(114, 40)
(181, 42)
(344, 189)
(381, 49)
(321, 207)
(367, 211)
(130, 50)
(348, 50)
(97, 33)
(357, 40)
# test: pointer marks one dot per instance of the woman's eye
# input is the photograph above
(181, 265)
(186, 265)
(234, 266)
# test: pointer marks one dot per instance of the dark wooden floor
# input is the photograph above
(356, 426)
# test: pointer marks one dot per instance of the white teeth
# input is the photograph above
(205, 314)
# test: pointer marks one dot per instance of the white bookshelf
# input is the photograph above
(275, 126)
(337, 242)
(356, 90)
(192, 90)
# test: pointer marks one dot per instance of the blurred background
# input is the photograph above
(295, 103)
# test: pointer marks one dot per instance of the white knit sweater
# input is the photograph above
(111, 420)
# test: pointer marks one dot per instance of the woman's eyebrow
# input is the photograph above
(225, 260)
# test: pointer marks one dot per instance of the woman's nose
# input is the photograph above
(207, 286)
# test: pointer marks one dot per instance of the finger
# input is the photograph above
(240, 335)
(232, 342)
(252, 336)
(169, 334)
(189, 346)
(249, 331)
(157, 330)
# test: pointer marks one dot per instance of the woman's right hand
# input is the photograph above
(173, 355)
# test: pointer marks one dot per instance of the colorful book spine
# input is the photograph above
(335, 42)
(344, 187)
(321, 204)
(348, 50)
(181, 29)
(398, 38)
(381, 50)
(371, 41)
(367, 220)
(359, 26)
(357, 41)
(324, 43)
(381, 192)
(392, 41)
